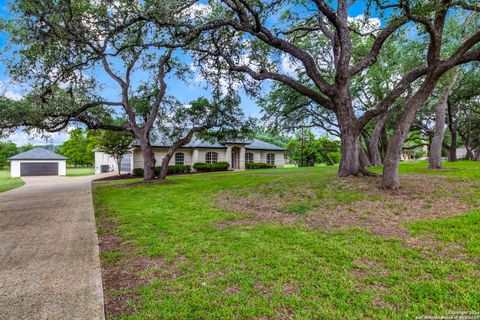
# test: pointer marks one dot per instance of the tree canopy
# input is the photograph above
(79, 147)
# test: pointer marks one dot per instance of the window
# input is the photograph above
(179, 158)
(271, 158)
(248, 157)
(211, 157)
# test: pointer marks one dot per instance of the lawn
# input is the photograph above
(77, 172)
(7, 183)
(296, 243)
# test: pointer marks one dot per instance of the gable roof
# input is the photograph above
(262, 145)
(38, 154)
(253, 144)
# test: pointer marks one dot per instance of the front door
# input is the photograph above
(235, 158)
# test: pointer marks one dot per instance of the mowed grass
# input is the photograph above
(177, 254)
(7, 183)
(77, 172)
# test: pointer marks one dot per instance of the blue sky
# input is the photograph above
(185, 92)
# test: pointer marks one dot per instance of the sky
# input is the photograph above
(184, 92)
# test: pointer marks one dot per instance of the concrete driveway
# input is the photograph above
(49, 264)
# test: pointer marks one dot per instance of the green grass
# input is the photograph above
(77, 172)
(215, 268)
(7, 183)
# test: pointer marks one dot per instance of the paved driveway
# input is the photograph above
(49, 264)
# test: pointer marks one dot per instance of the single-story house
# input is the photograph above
(38, 162)
(236, 153)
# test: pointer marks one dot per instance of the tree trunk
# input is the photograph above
(390, 179)
(148, 160)
(384, 139)
(364, 159)
(164, 168)
(350, 148)
(174, 147)
(477, 155)
(373, 147)
(350, 139)
(469, 155)
(119, 163)
(435, 159)
(166, 160)
(452, 154)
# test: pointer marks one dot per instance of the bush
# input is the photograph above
(174, 169)
(254, 165)
(138, 172)
(211, 167)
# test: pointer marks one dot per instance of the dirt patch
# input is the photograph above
(290, 289)
(351, 202)
(123, 277)
(232, 290)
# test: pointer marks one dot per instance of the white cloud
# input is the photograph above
(197, 10)
(290, 66)
(6, 91)
(13, 95)
(365, 25)
(21, 138)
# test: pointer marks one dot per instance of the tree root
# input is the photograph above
(361, 173)
(367, 173)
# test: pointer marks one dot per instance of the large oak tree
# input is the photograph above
(76, 49)
(252, 41)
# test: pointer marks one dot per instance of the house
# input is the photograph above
(461, 153)
(38, 162)
(236, 153)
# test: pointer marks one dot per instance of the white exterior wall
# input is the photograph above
(257, 155)
(279, 157)
(101, 158)
(160, 153)
(15, 166)
(222, 155)
(193, 156)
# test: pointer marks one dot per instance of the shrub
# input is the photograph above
(254, 165)
(138, 172)
(210, 167)
(180, 168)
(175, 169)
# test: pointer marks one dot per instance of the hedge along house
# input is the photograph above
(236, 153)
(38, 162)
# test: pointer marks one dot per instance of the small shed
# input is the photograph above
(38, 162)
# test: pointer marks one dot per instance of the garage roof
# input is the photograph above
(38, 154)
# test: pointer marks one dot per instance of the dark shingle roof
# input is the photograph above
(254, 144)
(262, 145)
(38, 154)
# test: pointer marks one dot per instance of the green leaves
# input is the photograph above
(78, 148)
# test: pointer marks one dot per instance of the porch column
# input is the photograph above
(241, 159)
(228, 156)
(194, 156)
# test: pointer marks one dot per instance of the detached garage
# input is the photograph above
(38, 162)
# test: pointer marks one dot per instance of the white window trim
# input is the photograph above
(269, 158)
(183, 158)
(211, 157)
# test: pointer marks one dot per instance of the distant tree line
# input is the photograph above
(9, 149)
(323, 150)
